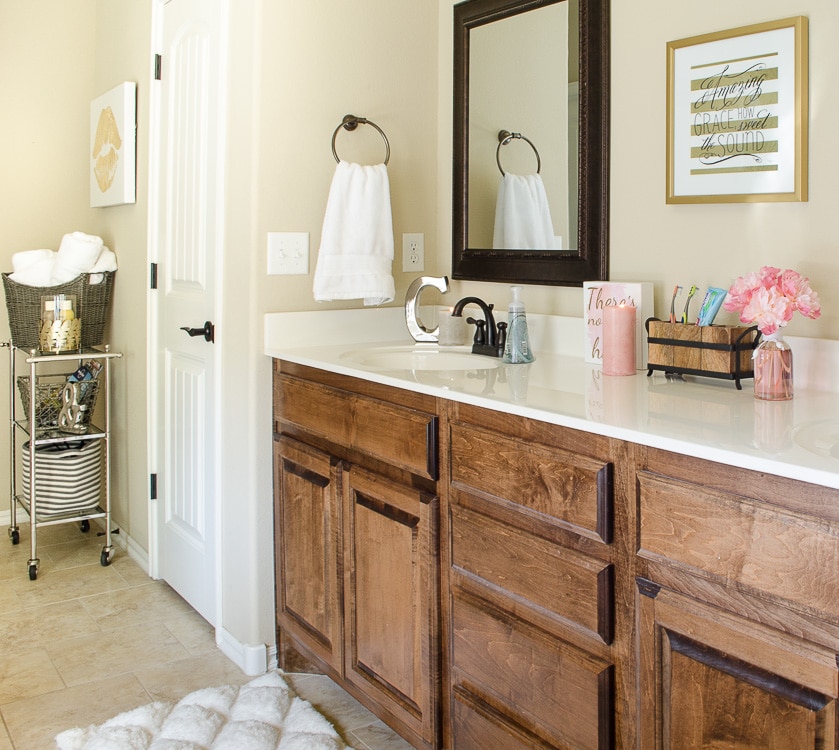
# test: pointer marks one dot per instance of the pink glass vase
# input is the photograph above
(773, 369)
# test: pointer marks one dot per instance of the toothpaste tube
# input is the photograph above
(711, 305)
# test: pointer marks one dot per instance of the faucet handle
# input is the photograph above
(415, 326)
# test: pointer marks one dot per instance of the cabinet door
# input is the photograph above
(307, 527)
(392, 600)
(712, 679)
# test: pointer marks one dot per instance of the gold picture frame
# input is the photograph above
(737, 107)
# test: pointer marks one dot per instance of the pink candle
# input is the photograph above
(619, 340)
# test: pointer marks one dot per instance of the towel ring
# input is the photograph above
(351, 122)
(504, 137)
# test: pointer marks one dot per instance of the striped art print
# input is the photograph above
(736, 115)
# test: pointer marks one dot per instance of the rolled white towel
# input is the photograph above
(77, 253)
(37, 273)
(27, 258)
(107, 262)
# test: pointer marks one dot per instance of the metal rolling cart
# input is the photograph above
(30, 433)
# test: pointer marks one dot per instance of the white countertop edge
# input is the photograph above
(801, 466)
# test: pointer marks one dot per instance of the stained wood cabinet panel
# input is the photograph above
(308, 534)
(712, 679)
(548, 482)
(746, 542)
(535, 572)
(481, 580)
(357, 538)
(532, 586)
(379, 429)
(528, 679)
(391, 584)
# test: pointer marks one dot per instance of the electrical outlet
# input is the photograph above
(413, 252)
(288, 253)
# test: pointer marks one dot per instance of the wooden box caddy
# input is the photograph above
(710, 351)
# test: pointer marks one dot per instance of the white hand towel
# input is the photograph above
(522, 215)
(77, 253)
(356, 248)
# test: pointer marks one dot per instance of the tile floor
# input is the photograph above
(83, 643)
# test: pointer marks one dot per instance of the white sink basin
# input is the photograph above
(420, 358)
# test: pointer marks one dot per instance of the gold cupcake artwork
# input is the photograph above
(112, 146)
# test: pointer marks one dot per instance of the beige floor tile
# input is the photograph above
(27, 673)
(5, 740)
(173, 681)
(71, 554)
(112, 652)
(195, 634)
(53, 586)
(135, 605)
(344, 711)
(25, 628)
(133, 574)
(33, 722)
(9, 600)
(376, 736)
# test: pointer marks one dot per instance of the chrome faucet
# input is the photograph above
(489, 338)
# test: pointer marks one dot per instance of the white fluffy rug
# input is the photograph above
(264, 714)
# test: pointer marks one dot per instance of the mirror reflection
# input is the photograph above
(523, 115)
(531, 141)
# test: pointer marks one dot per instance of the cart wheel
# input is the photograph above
(14, 535)
(33, 572)
(106, 557)
(85, 526)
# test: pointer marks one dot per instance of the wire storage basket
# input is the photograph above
(48, 401)
(24, 305)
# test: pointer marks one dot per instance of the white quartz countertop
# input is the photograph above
(700, 417)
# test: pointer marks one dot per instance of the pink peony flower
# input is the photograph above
(769, 298)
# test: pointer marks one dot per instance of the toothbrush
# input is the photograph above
(677, 290)
(687, 303)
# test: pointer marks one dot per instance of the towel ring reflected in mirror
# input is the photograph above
(505, 137)
(350, 123)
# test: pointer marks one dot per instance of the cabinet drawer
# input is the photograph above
(748, 542)
(535, 681)
(554, 484)
(397, 435)
(538, 573)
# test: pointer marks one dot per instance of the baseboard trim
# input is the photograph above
(252, 660)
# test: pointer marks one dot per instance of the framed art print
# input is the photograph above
(112, 154)
(737, 109)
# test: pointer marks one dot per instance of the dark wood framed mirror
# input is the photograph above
(531, 113)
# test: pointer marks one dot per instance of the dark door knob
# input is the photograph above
(208, 331)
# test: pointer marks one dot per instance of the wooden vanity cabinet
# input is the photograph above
(738, 606)
(357, 542)
(538, 614)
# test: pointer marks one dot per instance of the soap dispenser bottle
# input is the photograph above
(517, 349)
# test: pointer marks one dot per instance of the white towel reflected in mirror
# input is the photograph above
(522, 215)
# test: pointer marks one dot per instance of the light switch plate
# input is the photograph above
(288, 253)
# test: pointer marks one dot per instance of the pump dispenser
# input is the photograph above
(517, 349)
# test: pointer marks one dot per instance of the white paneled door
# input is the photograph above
(187, 231)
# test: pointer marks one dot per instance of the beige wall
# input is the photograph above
(55, 56)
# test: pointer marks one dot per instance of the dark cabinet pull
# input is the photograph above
(208, 331)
